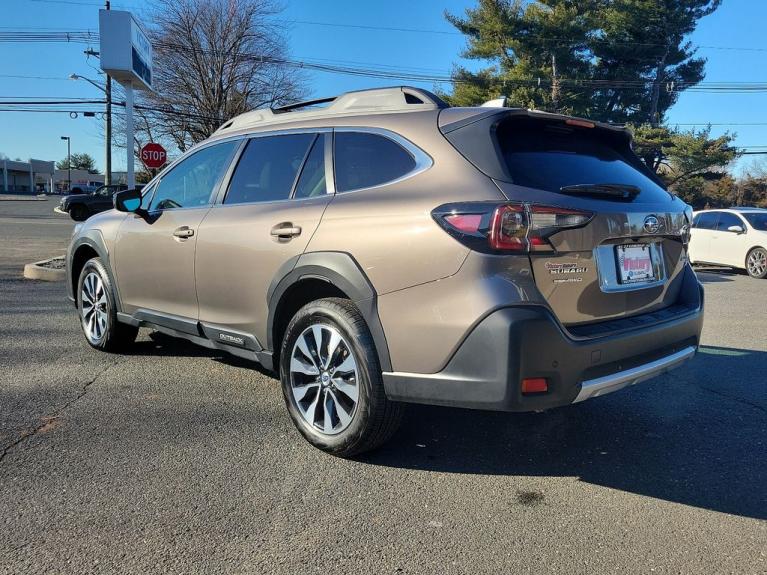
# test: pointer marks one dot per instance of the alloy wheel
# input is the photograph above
(757, 263)
(324, 379)
(94, 308)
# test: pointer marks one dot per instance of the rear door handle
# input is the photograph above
(183, 232)
(286, 230)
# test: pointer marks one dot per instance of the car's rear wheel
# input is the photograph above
(756, 263)
(331, 380)
(98, 312)
(78, 212)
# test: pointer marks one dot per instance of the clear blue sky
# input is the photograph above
(738, 23)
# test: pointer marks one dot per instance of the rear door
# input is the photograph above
(628, 258)
(272, 205)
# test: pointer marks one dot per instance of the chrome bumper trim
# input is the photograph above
(613, 382)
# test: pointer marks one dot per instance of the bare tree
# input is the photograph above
(214, 59)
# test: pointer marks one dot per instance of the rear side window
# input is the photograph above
(551, 156)
(706, 221)
(364, 160)
(726, 220)
(268, 168)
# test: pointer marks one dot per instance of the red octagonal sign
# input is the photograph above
(153, 155)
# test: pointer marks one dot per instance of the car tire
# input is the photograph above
(335, 397)
(756, 263)
(98, 312)
(78, 213)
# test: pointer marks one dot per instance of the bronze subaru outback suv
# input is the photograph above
(387, 248)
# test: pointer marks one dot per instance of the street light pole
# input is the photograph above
(108, 136)
(69, 162)
(108, 173)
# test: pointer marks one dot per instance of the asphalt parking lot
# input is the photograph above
(175, 459)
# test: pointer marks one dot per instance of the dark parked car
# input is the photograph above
(82, 206)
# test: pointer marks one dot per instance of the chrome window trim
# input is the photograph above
(423, 161)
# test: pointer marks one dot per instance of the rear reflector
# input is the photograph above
(535, 385)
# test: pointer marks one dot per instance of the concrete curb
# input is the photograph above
(38, 271)
(6, 198)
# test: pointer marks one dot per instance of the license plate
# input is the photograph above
(634, 263)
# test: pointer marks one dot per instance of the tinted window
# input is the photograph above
(757, 220)
(706, 221)
(726, 220)
(365, 160)
(191, 182)
(267, 168)
(549, 156)
(311, 183)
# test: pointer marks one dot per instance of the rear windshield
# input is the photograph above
(551, 155)
(757, 220)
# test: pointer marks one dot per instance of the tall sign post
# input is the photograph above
(126, 55)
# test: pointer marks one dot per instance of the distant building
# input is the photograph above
(38, 176)
(32, 177)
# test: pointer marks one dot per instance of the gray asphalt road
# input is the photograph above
(174, 459)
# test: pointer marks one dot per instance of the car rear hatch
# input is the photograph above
(604, 238)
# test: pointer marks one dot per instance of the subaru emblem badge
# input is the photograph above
(651, 224)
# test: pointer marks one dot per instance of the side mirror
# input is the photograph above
(736, 229)
(127, 201)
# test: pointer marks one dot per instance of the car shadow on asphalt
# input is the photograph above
(160, 344)
(710, 275)
(697, 436)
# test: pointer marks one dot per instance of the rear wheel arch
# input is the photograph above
(320, 275)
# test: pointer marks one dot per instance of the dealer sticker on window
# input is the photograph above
(634, 263)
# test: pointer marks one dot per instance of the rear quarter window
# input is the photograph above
(363, 160)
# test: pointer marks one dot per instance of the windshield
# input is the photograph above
(758, 220)
(551, 157)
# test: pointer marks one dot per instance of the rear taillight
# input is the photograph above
(511, 227)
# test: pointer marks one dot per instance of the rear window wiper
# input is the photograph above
(623, 192)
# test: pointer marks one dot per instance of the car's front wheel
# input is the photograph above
(756, 263)
(331, 380)
(98, 312)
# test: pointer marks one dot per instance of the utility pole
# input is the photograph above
(108, 170)
(69, 162)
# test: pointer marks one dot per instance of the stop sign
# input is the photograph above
(153, 155)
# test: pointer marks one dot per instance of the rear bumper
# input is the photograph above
(521, 342)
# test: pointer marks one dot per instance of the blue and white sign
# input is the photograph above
(126, 52)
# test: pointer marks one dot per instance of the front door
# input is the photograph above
(728, 247)
(274, 202)
(154, 251)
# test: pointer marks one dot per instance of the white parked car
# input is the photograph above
(735, 237)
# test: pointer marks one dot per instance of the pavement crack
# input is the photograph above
(48, 421)
(733, 398)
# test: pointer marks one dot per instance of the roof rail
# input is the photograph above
(372, 101)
